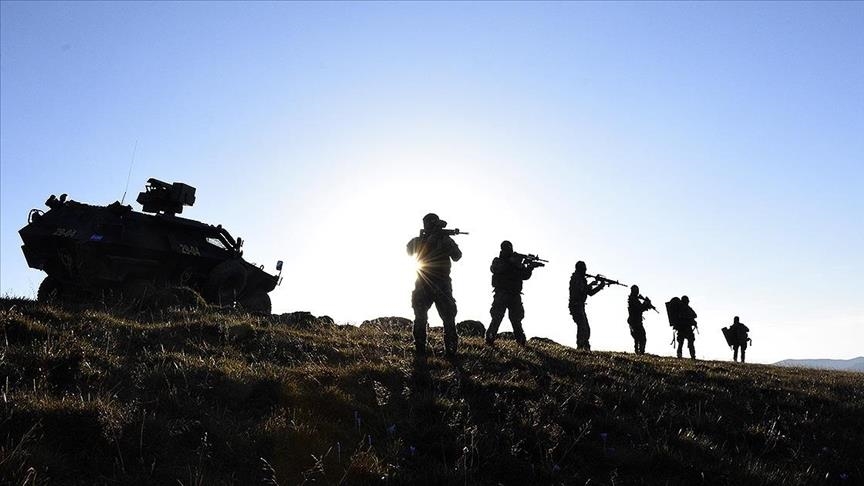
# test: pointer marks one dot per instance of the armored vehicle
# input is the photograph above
(90, 250)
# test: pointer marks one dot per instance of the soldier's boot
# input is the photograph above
(692, 351)
(742, 355)
(518, 333)
(520, 339)
(450, 348)
(451, 338)
(420, 335)
(680, 348)
(735, 354)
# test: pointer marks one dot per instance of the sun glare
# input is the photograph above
(414, 265)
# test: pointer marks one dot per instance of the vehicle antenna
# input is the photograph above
(129, 176)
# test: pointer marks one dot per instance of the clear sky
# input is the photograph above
(707, 149)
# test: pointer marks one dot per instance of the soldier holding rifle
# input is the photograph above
(636, 306)
(434, 249)
(509, 270)
(580, 290)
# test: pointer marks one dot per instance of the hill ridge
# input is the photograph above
(208, 397)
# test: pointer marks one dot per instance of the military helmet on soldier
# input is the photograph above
(634, 289)
(432, 221)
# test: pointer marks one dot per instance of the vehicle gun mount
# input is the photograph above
(161, 197)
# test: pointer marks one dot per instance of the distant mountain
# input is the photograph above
(854, 364)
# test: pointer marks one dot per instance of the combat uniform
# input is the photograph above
(684, 329)
(635, 308)
(507, 276)
(739, 332)
(433, 286)
(579, 292)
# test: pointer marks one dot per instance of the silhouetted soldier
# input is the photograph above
(635, 308)
(685, 323)
(508, 271)
(739, 335)
(579, 292)
(434, 249)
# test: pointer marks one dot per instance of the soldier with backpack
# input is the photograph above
(738, 335)
(682, 318)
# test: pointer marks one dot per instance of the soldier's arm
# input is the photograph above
(498, 265)
(527, 272)
(455, 252)
(592, 289)
(412, 245)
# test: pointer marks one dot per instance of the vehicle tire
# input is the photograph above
(258, 303)
(50, 290)
(225, 282)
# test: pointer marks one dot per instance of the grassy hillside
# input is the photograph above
(202, 397)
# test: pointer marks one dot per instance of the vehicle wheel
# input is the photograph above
(50, 290)
(257, 304)
(225, 282)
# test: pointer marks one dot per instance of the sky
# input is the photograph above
(706, 149)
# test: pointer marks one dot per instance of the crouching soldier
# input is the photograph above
(509, 269)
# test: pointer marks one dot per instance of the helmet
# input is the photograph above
(506, 246)
(432, 221)
(634, 289)
(580, 265)
(685, 299)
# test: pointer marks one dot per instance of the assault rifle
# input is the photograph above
(449, 232)
(607, 281)
(532, 261)
(646, 299)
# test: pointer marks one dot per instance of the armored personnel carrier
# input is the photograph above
(90, 250)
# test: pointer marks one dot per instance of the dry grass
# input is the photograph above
(202, 397)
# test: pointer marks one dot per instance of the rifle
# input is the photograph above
(532, 261)
(449, 232)
(607, 281)
(646, 299)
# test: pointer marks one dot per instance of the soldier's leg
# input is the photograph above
(691, 346)
(583, 330)
(421, 301)
(743, 350)
(644, 341)
(517, 313)
(641, 340)
(446, 306)
(735, 353)
(680, 343)
(497, 313)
